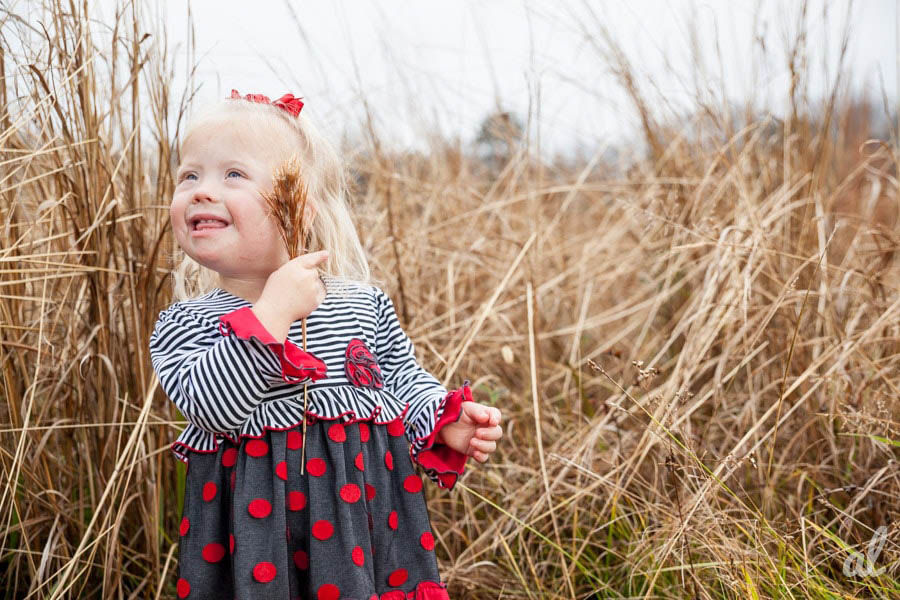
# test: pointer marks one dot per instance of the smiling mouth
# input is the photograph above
(205, 224)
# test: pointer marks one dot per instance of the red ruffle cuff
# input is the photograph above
(296, 365)
(440, 460)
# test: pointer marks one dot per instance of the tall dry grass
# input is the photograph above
(696, 355)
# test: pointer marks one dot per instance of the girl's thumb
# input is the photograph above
(315, 258)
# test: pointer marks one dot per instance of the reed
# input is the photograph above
(287, 205)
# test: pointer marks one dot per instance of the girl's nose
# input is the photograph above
(202, 193)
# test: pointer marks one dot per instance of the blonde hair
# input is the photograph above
(323, 173)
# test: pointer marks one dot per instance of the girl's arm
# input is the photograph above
(217, 376)
(430, 405)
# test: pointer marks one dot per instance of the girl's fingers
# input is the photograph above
(490, 416)
(484, 415)
(489, 433)
(483, 445)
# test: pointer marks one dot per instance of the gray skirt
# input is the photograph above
(353, 525)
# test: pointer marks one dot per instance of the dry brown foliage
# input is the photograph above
(696, 353)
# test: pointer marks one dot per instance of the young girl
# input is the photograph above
(275, 508)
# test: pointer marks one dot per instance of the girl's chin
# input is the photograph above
(251, 267)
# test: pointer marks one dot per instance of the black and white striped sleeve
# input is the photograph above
(430, 405)
(216, 376)
(403, 376)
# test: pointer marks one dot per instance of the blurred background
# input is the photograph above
(660, 236)
(437, 68)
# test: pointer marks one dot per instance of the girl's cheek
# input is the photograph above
(176, 217)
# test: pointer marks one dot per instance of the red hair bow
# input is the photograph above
(287, 102)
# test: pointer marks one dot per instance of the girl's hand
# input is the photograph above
(476, 432)
(292, 292)
(295, 287)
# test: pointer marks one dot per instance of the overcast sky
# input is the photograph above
(428, 64)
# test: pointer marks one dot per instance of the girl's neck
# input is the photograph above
(250, 289)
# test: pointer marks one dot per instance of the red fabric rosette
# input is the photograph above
(361, 367)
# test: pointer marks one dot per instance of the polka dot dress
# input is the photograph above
(353, 525)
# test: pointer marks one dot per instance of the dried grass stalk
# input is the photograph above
(287, 205)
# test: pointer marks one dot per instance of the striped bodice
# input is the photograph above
(231, 387)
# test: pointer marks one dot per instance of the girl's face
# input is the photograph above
(219, 216)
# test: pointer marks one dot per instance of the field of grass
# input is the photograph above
(696, 351)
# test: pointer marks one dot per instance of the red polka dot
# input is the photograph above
(392, 519)
(209, 490)
(229, 457)
(259, 508)
(185, 526)
(395, 427)
(233, 473)
(316, 467)
(265, 572)
(183, 588)
(389, 460)
(281, 470)
(294, 440)
(397, 578)
(350, 493)
(328, 591)
(427, 540)
(301, 559)
(412, 484)
(231, 543)
(358, 556)
(358, 461)
(363, 432)
(296, 501)
(370, 492)
(336, 433)
(257, 448)
(213, 552)
(322, 530)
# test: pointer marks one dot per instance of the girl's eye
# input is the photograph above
(232, 172)
(187, 176)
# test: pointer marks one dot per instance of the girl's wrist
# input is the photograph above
(272, 318)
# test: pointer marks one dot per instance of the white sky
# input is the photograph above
(428, 64)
